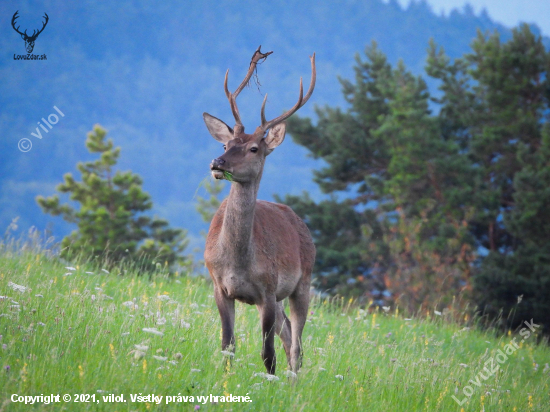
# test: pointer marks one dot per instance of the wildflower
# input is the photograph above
(197, 407)
(546, 368)
(161, 321)
(138, 354)
(178, 355)
(7, 368)
(463, 365)
(438, 313)
(154, 331)
(4, 346)
(41, 324)
(184, 324)
(105, 270)
(322, 369)
(388, 334)
(68, 274)
(38, 296)
(142, 348)
(290, 374)
(163, 297)
(70, 268)
(228, 353)
(129, 304)
(17, 287)
(3, 297)
(195, 370)
(520, 297)
(160, 358)
(266, 376)
(339, 377)
(89, 273)
(385, 308)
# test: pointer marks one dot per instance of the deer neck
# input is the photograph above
(237, 229)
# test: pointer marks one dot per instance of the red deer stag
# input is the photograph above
(258, 252)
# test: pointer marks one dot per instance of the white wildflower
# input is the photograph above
(290, 374)
(142, 348)
(4, 297)
(160, 358)
(105, 270)
(173, 362)
(89, 273)
(68, 274)
(17, 287)
(267, 376)
(184, 324)
(154, 331)
(39, 296)
(463, 365)
(163, 297)
(124, 333)
(385, 308)
(339, 377)
(194, 306)
(138, 354)
(161, 321)
(438, 313)
(195, 370)
(129, 304)
(322, 369)
(228, 353)
(70, 268)
(98, 289)
(41, 324)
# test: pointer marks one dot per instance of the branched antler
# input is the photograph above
(301, 100)
(232, 97)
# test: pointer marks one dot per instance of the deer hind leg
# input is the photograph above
(268, 315)
(226, 307)
(283, 329)
(299, 304)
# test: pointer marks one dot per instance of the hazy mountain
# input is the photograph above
(147, 73)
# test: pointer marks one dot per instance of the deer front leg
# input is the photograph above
(226, 307)
(299, 303)
(268, 315)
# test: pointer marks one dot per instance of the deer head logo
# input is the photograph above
(29, 40)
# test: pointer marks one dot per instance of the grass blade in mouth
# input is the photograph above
(228, 176)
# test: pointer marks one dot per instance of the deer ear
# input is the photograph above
(218, 129)
(275, 136)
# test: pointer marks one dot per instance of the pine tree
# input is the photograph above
(111, 222)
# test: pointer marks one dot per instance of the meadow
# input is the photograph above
(74, 329)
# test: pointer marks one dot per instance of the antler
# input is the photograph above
(34, 34)
(43, 27)
(15, 16)
(301, 100)
(232, 97)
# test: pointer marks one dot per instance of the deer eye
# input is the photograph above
(254, 149)
(224, 147)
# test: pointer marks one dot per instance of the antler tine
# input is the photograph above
(15, 17)
(232, 97)
(44, 24)
(301, 100)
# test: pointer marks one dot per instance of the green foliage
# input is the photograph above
(207, 207)
(110, 222)
(446, 176)
(87, 340)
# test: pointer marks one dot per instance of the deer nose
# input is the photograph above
(216, 163)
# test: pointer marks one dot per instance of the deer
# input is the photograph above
(258, 252)
(29, 40)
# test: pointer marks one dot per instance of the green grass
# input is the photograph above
(78, 337)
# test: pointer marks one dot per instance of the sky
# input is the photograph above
(507, 12)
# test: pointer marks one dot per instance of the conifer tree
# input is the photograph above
(111, 222)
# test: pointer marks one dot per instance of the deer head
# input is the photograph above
(245, 154)
(29, 40)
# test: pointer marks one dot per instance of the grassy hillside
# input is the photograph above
(73, 332)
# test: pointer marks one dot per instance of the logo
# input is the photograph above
(29, 40)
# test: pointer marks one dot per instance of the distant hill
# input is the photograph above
(147, 73)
